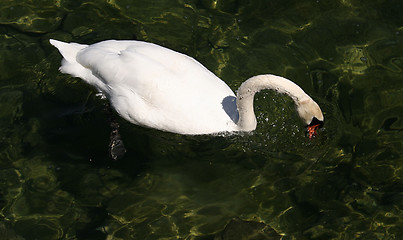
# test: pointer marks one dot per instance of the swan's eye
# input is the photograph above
(312, 130)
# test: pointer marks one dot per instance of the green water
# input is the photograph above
(57, 181)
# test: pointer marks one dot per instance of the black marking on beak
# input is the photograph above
(315, 121)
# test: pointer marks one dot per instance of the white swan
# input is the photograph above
(156, 87)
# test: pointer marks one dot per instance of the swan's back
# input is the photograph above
(151, 85)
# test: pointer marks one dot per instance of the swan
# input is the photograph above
(153, 86)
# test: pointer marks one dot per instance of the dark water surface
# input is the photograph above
(57, 181)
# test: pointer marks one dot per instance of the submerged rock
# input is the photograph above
(8, 233)
(238, 229)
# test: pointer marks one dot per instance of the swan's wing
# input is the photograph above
(148, 68)
(117, 61)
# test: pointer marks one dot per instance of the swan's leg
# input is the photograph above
(116, 147)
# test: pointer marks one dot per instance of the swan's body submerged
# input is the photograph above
(156, 87)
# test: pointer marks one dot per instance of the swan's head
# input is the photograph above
(309, 111)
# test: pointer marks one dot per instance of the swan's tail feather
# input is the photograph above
(69, 52)
(70, 65)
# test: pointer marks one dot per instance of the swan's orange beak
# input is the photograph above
(313, 127)
(312, 130)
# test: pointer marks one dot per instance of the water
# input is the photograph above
(57, 181)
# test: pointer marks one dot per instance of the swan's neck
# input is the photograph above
(246, 92)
